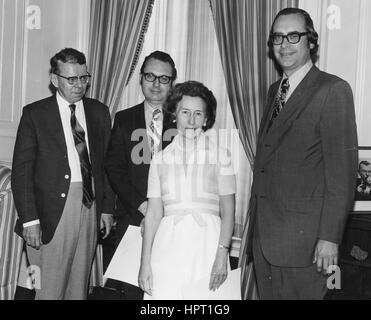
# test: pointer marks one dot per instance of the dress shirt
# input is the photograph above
(297, 77)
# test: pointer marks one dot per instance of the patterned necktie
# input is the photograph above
(280, 100)
(80, 144)
(154, 132)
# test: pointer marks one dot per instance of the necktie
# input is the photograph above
(280, 100)
(85, 166)
(154, 132)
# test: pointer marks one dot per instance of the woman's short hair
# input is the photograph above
(191, 89)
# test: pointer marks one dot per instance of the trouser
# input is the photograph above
(65, 262)
(286, 283)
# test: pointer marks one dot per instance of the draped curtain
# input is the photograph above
(117, 30)
(242, 28)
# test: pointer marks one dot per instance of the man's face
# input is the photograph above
(155, 92)
(291, 57)
(70, 92)
(365, 173)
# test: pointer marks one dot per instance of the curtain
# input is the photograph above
(185, 29)
(117, 30)
(242, 28)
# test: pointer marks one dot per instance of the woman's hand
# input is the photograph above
(145, 278)
(219, 271)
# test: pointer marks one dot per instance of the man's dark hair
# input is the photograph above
(162, 56)
(191, 89)
(365, 163)
(69, 55)
(312, 35)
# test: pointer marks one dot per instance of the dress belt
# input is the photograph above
(195, 213)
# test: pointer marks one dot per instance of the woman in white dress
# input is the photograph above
(191, 202)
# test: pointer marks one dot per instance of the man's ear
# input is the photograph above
(54, 80)
(311, 45)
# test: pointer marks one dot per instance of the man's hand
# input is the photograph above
(106, 222)
(325, 255)
(32, 236)
(143, 208)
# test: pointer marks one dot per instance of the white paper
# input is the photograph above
(125, 263)
(229, 290)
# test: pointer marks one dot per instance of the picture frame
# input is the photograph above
(362, 195)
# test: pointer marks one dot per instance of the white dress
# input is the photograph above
(186, 241)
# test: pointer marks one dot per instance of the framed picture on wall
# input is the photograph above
(363, 187)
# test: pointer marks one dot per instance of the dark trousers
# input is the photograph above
(286, 283)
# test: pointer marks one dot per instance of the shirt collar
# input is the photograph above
(151, 107)
(62, 102)
(298, 75)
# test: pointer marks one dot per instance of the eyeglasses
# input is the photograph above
(292, 37)
(150, 77)
(74, 80)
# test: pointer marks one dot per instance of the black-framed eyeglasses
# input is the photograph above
(150, 77)
(292, 37)
(74, 80)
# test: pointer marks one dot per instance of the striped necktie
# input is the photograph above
(154, 132)
(280, 100)
(85, 166)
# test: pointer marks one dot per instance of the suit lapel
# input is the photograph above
(92, 128)
(294, 106)
(140, 123)
(268, 110)
(55, 122)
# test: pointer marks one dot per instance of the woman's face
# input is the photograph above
(190, 116)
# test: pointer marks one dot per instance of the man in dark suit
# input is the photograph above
(60, 188)
(305, 167)
(137, 133)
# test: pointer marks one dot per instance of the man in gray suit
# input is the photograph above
(300, 200)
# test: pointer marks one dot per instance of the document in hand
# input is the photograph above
(125, 263)
(229, 290)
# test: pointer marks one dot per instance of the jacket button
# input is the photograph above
(66, 176)
(262, 170)
(63, 195)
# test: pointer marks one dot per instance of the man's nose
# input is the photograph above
(285, 43)
(78, 83)
(156, 83)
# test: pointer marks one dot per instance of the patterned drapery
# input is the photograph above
(117, 30)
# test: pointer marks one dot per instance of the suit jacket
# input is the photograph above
(305, 169)
(364, 194)
(128, 161)
(41, 173)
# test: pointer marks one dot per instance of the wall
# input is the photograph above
(344, 28)
(31, 32)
